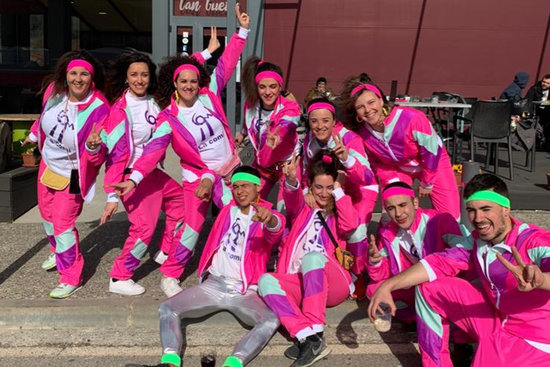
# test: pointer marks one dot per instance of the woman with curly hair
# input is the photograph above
(401, 144)
(73, 109)
(195, 123)
(129, 127)
(309, 277)
(270, 120)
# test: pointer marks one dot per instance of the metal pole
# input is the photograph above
(469, 170)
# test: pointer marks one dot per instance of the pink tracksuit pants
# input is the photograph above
(59, 210)
(300, 300)
(156, 192)
(456, 300)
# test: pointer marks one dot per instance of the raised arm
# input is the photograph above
(230, 57)
(292, 193)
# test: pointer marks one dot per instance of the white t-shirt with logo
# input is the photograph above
(310, 241)
(143, 117)
(209, 134)
(227, 260)
(408, 245)
(58, 124)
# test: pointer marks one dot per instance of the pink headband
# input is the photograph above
(370, 87)
(320, 105)
(82, 64)
(392, 191)
(269, 74)
(186, 67)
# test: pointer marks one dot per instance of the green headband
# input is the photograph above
(243, 176)
(489, 195)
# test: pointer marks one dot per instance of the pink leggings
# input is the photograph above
(59, 210)
(156, 192)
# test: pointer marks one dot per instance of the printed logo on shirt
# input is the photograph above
(232, 239)
(151, 119)
(63, 123)
(200, 120)
(315, 243)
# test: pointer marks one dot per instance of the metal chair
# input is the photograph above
(491, 125)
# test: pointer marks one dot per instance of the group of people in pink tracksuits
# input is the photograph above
(427, 268)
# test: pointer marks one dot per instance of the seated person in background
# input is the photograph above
(513, 91)
(406, 234)
(319, 91)
(241, 239)
(540, 92)
(509, 314)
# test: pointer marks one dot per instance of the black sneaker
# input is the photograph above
(311, 350)
(293, 351)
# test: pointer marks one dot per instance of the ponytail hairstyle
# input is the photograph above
(118, 70)
(347, 101)
(166, 74)
(253, 66)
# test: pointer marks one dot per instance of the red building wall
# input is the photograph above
(470, 47)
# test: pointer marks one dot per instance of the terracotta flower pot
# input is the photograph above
(29, 160)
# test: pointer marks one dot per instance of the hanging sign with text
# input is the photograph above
(203, 8)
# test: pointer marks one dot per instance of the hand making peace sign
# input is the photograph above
(529, 276)
(290, 170)
(339, 150)
(273, 140)
(94, 139)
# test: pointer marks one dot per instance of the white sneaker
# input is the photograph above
(125, 287)
(160, 257)
(170, 286)
(50, 262)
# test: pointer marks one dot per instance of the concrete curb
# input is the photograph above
(118, 313)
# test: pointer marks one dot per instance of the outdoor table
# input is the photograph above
(442, 104)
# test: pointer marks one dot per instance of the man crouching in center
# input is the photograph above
(233, 259)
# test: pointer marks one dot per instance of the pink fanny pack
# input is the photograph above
(226, 170)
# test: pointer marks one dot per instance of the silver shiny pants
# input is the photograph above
(213, 295)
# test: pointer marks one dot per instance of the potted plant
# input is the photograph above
(30, 159)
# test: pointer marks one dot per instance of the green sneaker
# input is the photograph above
(49, 263)
(63, 290)
(232, 361)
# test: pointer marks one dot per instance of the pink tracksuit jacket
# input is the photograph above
(287, 115)
(411, 149)
(518, 317)
(93, 112)
(432, 231)
(256, 251)
(341, 225)
(171, 129)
